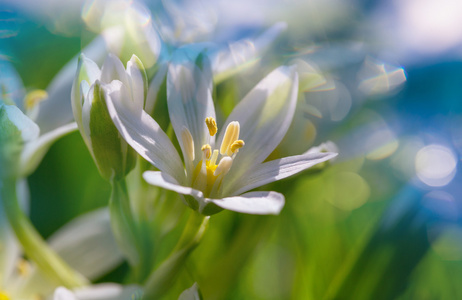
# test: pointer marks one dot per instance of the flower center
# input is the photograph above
(209, 172)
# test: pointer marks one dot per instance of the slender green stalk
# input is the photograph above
(161, 278)
(125, 227)
(33, 244)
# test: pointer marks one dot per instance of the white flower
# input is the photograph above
(216, 174)
(50, 109)
(86, 244)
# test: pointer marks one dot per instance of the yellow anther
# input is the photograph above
(23, 267)
(207, 150)
(188, 144)
(35, 97)
(236, 146)
(231, 135)
(211, 125)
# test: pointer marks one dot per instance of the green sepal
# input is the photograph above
(113, 157)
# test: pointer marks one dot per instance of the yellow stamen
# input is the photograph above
(231, 135)
(211, 125)
(223, 166)
(33, 98)
(23, 267)
(188, 143)
(207, 150)
(213, 160)
(236, 146)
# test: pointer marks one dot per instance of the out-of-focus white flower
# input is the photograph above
(86, 244)
(186, 22)
(127, 27)
(47, 108)
(16, 129)
(215, 176)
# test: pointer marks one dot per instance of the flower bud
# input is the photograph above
(112, 155)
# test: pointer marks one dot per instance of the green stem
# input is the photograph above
(162, 278)
(124, 226)
(33, 244)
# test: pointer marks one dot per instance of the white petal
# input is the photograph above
(87, 73)
(138, 81)
(165, 181)
(78, 117)
(144, 135)
(108, 291)
(104, 291)
(34, 151)
(276, 170)
(257, 203)
(86, 109)
(264, 115)
(87, 244)
(113, 69)
(190, 101)
(29, 129)
(62, 293)
(56, 110)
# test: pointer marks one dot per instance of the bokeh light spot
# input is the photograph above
(382, 143)
(377, 77)
(347, 190)
(435, 165)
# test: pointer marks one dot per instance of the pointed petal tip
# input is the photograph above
(134, 57)
(135, 61)
(82, 57)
